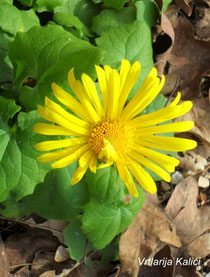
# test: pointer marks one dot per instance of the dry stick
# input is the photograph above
(30, 224)
(172, 221)
(173, 91)
(6, 82)
(204, 233)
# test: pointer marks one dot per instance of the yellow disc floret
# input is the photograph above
(115, 133)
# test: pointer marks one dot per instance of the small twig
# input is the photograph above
(30, 224)
(172, 221)
(6, 82)
(204, 233)
(85, 252)
(19, 265)
(173, 91)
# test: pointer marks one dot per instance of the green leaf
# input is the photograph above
(8, 1)
(85, 10)
(55, 52)
(26, 2)
(68, 20)
(117, 4)
(111, 252)
(131, 41)
(12, 209)
(5, 64)
(97, 1)
(17, 154)
(56, 198)
(17, 21)
(148, 11)
(165, 4)
(76, 240)
(106, 185)
(109, 18)
(48, 5)
(101, 222)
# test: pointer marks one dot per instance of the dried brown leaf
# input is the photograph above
(21, 247)
(167, 28)
(184, 5)
(202, 26)
(190, 221)
(4, 266)
(150, 226)
(200, 115)
(189, 59)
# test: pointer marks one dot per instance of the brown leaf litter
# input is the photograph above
(191, 222)
(189, 59)
(142, 237)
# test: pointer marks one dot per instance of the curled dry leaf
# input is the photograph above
(4, 266)
(184, 5)
(189, 59)
(150, 226)
(202, 27)
(21, 247)
(200, 115)
(167, 28)
(191, 222)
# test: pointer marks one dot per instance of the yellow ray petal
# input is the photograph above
(124, 69)
(80, 171)
(58, 119)
(181, 126)
(92, 164)
(128, 78)
(167, 143)
(143, 177)
(59, 110)
(49, 157)
(114, 92)
(149, 164)
(56, 144)
(160, 116)
(70, 102)
(145, 95)
(176, 100)
(70, 158)
(167, 162)
(103, 86)
(85, 158)
(91, 91)
(82, 95)
(49, 129)
(127, 179)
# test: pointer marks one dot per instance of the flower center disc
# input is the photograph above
(118, 136)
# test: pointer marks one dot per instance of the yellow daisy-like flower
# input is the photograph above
(111, 131)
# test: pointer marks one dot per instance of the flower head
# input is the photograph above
(108, 130)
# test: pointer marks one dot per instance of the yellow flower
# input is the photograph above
(110, 130)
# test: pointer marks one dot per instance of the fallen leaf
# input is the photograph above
(184, 5)
(167, 29)
(21, 247)
(4, 266)
(150, 226)
(191, 222)
(189, 59)
(202, 26)
(164, 270)
(200, 115)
